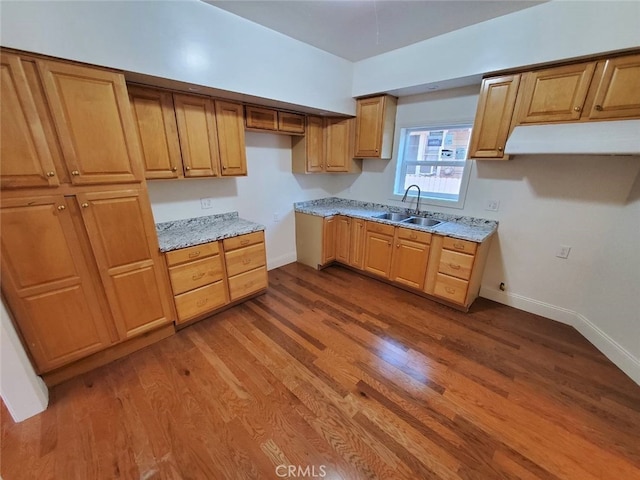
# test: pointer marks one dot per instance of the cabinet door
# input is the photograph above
(378, 250)
(315, 144)
(338, 144)
(261, 118)
(26, 157)
(291, 123)
(92, 115)
(369, 124)
(198, 137)
(155, 122)
(121, 231)
(618, 93)
(493, 118)
(343, 236)
(329, 240)
(356, 247)
(229, 121)
(409, 265)
(555, 94)
(48, 284)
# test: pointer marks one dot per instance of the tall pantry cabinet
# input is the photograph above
(81, 269)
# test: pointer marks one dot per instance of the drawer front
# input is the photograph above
(192, 275)
(200, 301)
(262, 118)
(291, 122)
(247, 283)
(381, 228)
(245, 259)
(450, 288)
(457, 245)
(414, 235)
(456, 264)
(242, 241)
(192, 253)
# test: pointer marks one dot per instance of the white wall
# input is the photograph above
(270, 188)
(548, 32)
(188, 41)
(588, 202)
(23, 392)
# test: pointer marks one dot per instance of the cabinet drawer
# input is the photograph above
(414, 235)
(201, 300)
(195, 274)
(291, 122)
(192, 253)
(380, 228)
(451, 288)
(245, 259)
(456, 264)
(242, 241)
(261, 118)
(459, 245)
(247, 283)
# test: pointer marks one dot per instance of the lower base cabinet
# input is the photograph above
(444, 268)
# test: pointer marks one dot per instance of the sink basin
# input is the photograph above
(424, 222)
(394, 217)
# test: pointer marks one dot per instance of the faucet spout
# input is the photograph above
(405, 196)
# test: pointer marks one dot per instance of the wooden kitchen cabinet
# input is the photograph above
(343, 239)
(198, 134)
(308, 152)
(233, 157)
(155, 120)
(246, 264)
(293, 123)
(272, 120)
(339, 146)
(27, 160)
(378, 249)
(494, 117)
(329, 240)
(616, 89)
(410, 257)
(91, 112)
(375, 125)
(555, 94)
(356, 243)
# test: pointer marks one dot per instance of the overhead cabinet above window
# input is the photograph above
(375, 124)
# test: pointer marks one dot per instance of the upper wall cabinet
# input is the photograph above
(92, 116)
(375, 123)
(268, 119)
(233, 158)
(617, 93)
(27, 160)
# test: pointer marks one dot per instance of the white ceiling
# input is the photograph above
(359, 29)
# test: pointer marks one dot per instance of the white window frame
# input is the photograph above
(425, 199)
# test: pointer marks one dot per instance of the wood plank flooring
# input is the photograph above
(335, 375)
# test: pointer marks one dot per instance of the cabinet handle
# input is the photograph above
(246, 261)
(458, 246)
(187, 168)
(51, 174)
(224, 167)
(61, 207)
(244, 242)
(389, 243)
(85, 205)
(359, 225)
(397, 245)
(450, 290)
(454, 266)
(599, 108)
(577, 109)
(499, 149)
(197, 276)
(194, 254)
(174, 169)
(200, 303)
(75, 173)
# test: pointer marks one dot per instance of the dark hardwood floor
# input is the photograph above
(334, 373)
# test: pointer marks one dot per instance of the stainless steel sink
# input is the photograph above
(394, 217)
(424, 222)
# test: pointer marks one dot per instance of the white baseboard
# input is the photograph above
(281, 260)
(623, 359)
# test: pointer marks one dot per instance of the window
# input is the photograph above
(434, 158)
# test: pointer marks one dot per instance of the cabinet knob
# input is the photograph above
(75, 173)
(599, 108)
(499, 149)
(224, 167)
(174, 169)
(397, 245)
(85, 205)
(577, 109)
(51, 174)
(61, 207)
(187, 168)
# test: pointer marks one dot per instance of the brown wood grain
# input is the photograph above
(330, 368)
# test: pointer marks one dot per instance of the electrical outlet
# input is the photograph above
(276, 218)
(206, 203)
(492, 205)
(563, 251)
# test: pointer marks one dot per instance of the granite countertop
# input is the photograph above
(456, 226)
(195, 231)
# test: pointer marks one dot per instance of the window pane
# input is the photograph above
(423, 150)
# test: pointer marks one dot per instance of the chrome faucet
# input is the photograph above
(405, 197)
